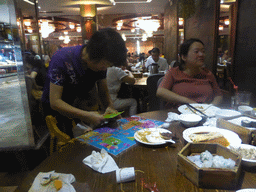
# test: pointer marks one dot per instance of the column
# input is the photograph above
(88, 20)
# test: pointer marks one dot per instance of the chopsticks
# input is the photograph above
(193, 108)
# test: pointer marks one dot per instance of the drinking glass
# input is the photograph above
(244, 97)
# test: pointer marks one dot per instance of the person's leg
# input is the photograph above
(120, 104)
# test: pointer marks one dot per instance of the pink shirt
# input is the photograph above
(201, 88)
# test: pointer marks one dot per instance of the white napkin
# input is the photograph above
(212, 122)
(42, 182)
(101, 162)
(172, 117)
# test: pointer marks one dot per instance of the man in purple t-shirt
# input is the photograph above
(72, 75)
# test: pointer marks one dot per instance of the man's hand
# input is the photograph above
(111, 110)
(94, 119)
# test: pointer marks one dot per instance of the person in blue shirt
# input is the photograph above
(73, 72)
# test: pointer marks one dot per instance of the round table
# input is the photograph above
(153, 164)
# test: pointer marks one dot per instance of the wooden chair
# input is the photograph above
(57, 136)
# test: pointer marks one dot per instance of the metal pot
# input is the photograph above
(153, 68)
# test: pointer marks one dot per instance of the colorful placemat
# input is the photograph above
(117, 140)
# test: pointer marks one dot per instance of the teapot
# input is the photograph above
(153, 68)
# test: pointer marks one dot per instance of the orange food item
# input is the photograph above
(221, 140)
(58, 184)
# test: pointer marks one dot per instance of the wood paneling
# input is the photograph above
(171, 32)
(202, 26)
(245, 47)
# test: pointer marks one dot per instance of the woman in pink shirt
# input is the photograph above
(190, 82)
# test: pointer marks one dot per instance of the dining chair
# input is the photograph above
(154, 102)
(58, 138)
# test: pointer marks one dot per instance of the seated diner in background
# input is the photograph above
(190, 82)
(115, 77)
(155, 58)
(72, 75)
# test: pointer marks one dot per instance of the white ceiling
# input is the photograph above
(71, 9)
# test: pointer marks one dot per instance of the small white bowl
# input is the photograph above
(222, 113)
(244, 109)
(190, 120)
(247, 162)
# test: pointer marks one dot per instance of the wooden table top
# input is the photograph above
(141, 81)
(154, 164)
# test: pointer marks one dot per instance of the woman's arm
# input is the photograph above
(129, 78)
(170, 96)
(93, 118)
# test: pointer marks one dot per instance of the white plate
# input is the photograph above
(247, 162)
(246, 190)
(209, 111)
(154, 131)
(231, 136)
(238, 121)
(222, 113)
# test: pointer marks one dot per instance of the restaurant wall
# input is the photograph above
(145, 46)
(245, 46)
(171, 32)
(202, 25)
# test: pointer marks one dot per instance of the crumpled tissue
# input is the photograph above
(101, 162)
(44, 182)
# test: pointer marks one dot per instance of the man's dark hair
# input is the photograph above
(184, 48)
(155, 50)
(107, 44)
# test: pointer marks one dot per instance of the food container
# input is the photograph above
(211, 178)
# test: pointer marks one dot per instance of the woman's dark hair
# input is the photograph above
(184, 48)
(107, 44)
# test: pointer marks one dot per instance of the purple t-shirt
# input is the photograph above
(65, 69)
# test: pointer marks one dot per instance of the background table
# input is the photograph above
(159, 164)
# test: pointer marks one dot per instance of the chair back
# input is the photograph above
(56, 135)
(154, 102)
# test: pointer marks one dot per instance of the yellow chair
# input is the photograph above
(60, 137)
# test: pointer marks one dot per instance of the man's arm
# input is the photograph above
(93, 118)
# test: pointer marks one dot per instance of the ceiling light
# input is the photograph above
(226, 21)
(27, 1)
(221, 28)
(181, 21)
(132, 30)
(61, 38)
(78, 29)
(118, 28)
(71, 25)
(65, 32)
(30, 30)
(66, 40)
(27, 23)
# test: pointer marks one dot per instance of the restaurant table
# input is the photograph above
(153, 164)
